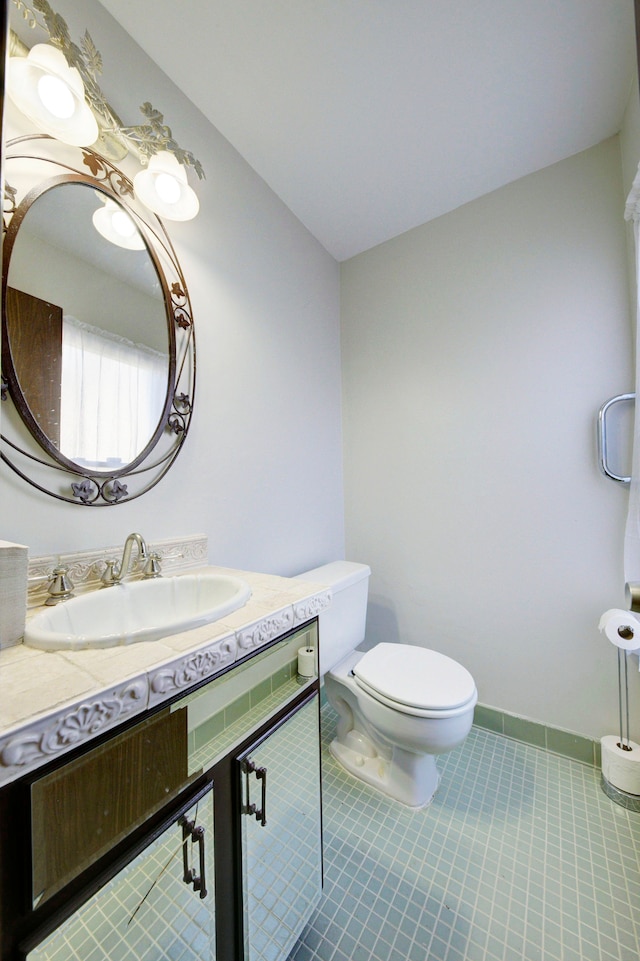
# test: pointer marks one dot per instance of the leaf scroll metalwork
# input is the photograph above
(145, 139)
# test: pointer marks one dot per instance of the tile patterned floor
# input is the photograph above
(281, 866)
(520, 857)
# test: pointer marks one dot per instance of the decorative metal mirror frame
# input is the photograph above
(78, 484)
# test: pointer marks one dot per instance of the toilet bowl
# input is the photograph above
(398, 705)
(387, 742)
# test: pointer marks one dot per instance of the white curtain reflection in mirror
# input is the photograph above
(112, 391)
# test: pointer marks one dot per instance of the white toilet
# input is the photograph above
(399, 705)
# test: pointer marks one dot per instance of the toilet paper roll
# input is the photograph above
(622, 628)
(307, 662)
(621, 768)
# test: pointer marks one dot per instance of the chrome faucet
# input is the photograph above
(114, 572)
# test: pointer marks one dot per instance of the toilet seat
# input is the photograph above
(416, 680)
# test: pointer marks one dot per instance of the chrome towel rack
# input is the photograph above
(602, 436)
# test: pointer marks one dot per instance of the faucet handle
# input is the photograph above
(110, 576)
(152, 566)
(60, 587)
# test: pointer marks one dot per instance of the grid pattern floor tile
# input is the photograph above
(281, 867)
(520, 857)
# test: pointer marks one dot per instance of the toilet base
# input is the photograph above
(409, 778)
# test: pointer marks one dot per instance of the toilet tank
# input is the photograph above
(342, 624)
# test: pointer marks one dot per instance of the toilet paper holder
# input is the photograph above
(620, 628)
(620, 755)
(623, 696)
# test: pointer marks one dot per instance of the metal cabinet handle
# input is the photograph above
(195, 834)
(261, 815)
(199, 883)
(187, 870)
(261, 774)
(602, 437)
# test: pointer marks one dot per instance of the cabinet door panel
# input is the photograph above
(281, 835)
(76, 814)
(148, 910)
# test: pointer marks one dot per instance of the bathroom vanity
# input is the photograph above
(189, 827)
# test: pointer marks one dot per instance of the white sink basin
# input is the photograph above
(137, 611)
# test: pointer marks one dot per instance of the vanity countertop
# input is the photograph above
(51, 702)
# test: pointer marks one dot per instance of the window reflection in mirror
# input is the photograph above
(97, 312)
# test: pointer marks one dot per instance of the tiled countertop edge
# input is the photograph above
(277, 605)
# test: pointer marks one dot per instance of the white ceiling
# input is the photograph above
(369, 117)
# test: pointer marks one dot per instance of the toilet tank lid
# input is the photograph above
(338, 574)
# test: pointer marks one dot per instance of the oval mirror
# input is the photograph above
(96, 310)
(98, 347)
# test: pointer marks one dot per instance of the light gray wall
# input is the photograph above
(261, 471)
(477, 350)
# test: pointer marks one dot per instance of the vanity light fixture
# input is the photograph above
(51, 94)
(56, 86)
(162, 187)
(115, 225)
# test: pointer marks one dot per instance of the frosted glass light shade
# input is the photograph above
(51, 94)
(163, 188)
(115, 225)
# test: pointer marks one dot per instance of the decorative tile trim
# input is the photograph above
(206, 662)
(553, 739)
(177, 554)
(266, 629)
(71, 727)
(310, 607)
